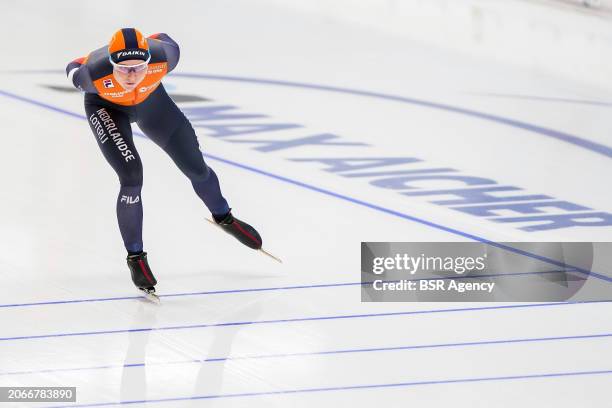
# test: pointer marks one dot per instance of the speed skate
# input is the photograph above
(258, 248)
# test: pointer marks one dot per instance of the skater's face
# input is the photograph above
(130, 73)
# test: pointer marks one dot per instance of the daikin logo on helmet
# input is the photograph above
(132, 53)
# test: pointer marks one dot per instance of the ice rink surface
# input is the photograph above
(273, 95)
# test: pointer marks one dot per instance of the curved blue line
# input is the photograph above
(300, 319)
(555, 134)
(202, 293)
(313, 353)
(346, 388)
(542, 98)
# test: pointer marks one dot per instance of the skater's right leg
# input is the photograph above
(114, 136)
(113, 133)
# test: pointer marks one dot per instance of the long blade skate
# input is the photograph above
(277, 259)
(149, 294)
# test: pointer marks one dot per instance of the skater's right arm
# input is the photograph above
(79, 75)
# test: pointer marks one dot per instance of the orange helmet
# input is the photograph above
(126, 44)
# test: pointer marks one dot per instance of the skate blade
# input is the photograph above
(277, 259)
(150, 296)
(270, 255)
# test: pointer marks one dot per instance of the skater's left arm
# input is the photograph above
(170, 47)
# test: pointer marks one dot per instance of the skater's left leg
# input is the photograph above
(165, 124)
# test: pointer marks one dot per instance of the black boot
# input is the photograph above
(141, 272)
(242, 231)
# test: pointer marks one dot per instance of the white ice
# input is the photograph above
(305, 341)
